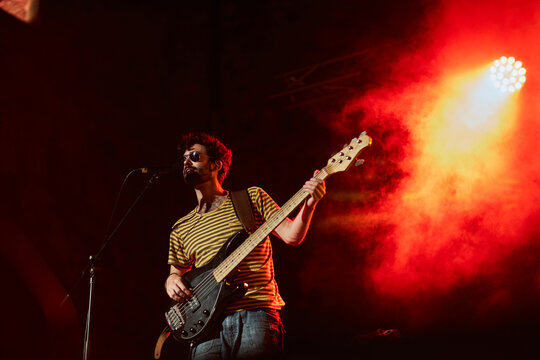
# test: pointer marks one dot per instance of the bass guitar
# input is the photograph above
(192, 319)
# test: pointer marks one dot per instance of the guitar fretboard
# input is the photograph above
(232, 261)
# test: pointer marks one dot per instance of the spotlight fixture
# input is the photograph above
(507, 74)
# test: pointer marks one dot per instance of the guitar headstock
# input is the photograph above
(347, 157)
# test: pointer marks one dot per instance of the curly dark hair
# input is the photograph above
(215, 149)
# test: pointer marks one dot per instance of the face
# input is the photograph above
(198, 166)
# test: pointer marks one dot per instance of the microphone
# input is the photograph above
(161, 170)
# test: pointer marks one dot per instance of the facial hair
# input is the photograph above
(190, 175)
(194, 176)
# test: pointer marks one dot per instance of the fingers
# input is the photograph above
(313, 183)
(315, 187)
(177, 296)
(177, 289)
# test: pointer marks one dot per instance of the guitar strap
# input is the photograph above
(242, 206)
(161, 339)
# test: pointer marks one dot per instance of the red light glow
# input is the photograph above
(466, 199)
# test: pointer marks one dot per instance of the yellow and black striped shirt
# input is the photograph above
(196, 238)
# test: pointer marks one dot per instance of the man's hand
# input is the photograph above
(176, 288)
(316, 188)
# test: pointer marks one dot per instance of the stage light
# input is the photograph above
(507, 74)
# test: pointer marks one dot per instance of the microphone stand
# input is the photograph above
(91, 267)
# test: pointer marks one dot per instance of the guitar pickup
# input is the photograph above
(193, 303)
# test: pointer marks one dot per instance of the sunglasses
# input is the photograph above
(194, 156)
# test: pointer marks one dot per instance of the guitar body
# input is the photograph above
(196, 317)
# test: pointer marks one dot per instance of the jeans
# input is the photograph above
(247, 334)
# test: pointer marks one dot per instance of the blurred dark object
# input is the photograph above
(25, 10)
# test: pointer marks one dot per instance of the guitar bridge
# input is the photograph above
(175, 318)
(176, 314)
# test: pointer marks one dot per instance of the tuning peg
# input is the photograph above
(334, 153)
(359, 162)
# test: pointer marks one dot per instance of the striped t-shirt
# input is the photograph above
(196, 238)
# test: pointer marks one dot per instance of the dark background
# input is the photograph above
(94, 89)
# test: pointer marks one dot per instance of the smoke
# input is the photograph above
(448, 208)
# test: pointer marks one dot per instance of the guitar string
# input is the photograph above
(204, 285)
(202, 289)
(239, 254)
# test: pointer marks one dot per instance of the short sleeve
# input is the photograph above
(177, 256)
(263, 204)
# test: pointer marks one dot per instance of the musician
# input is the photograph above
(252, 327)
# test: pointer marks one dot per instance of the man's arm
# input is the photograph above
(292, 232)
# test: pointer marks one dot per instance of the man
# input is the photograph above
(252, 327)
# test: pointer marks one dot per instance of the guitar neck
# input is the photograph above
(232, 261)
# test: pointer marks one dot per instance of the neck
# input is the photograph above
(210, 195)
